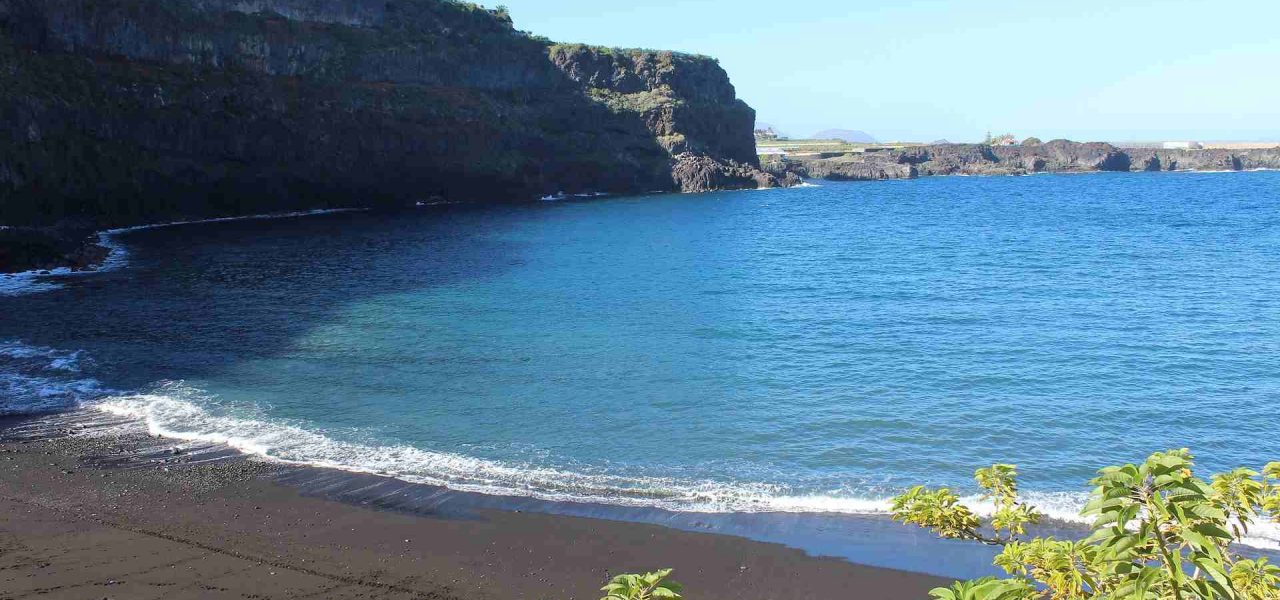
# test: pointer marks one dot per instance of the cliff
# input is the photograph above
(129, 111)
(979, 159)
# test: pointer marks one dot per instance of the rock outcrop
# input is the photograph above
(980, 159)
(866, 167)
(1206, 160)
(129, 111)
(32, 249)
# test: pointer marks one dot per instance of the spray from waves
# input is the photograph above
(177, 411)
(33, 282)
(36, 379)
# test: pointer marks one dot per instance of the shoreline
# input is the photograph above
(17, 283)
(203, 519)
(115, 254)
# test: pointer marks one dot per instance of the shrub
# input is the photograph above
(649, 586)
(1158, 533)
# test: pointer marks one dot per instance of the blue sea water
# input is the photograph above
(814, 349)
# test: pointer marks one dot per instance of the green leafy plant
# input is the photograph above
(941, 510)
(1158, 533)
(649, 586)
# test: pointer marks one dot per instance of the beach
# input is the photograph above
(93, 516)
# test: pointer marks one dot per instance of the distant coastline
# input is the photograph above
(1057, 156)
(30, 254)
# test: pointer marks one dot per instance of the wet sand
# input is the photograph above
(90, 516)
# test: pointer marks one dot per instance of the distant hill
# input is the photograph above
(850, 136)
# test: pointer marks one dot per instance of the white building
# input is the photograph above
(1183, 146)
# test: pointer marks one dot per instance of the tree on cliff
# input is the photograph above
(1159, 533)
(1032, 141)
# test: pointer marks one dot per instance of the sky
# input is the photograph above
(1118, 70)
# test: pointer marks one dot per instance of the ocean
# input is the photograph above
(809, 350)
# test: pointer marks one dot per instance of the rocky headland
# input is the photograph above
(121, 112)
(1062, 156)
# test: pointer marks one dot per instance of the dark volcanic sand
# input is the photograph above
(75, 524)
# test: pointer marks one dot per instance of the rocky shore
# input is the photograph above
(47, 248)
(1058, 156)
(127, 112)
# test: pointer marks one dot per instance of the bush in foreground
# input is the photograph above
(1159, 533)
(649, 586)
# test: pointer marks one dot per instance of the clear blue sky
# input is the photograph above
(1115, 70)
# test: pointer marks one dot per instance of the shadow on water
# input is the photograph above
(194, 300)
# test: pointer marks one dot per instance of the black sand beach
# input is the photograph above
(88, 516)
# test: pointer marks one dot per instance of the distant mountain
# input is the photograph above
(851, 136)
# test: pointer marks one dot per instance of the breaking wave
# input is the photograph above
(35, 379)
(177, 411)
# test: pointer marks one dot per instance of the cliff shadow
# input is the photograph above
(195, 300)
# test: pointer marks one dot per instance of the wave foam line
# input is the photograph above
(36, 379)
(170, 412)
(36, 281)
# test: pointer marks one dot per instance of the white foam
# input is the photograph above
(169, 412)
(36, 281)
(563, 196)
(57, 360)
(36, 379)
(27, 394)
(175, 410)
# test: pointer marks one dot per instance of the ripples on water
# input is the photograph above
(807, 349)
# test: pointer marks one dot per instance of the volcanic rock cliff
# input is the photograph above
(128, 111)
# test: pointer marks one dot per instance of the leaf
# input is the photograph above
(1215, 570)
(942, 593)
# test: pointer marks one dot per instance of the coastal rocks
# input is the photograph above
(1206, 159)
(981, 159)
(950, 159)
(1034, 164)
(696, 173)
(1065, 155)
(1057, 156)
(1260, 158)
(44, 249)
(857, 168)
(1150, 162)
